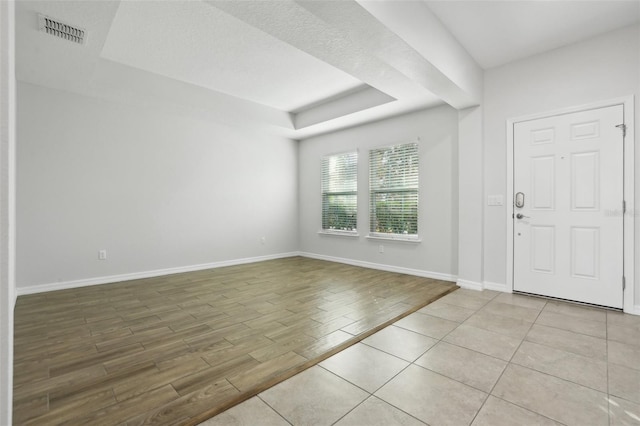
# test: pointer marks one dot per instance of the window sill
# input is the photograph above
(350, 234)
(398, 238)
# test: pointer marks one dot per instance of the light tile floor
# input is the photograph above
(470, 358)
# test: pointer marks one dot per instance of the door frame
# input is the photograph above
(627, 103)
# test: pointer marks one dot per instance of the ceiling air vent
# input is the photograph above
(61, 30)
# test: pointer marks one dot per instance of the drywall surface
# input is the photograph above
(436, 130)
(7, 206)
(419, 27)
(598, 69)
(154, 189)
(470, 198)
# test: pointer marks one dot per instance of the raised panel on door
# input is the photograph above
(585, 252)
(543, 249)
(585, 181)
(543, 182)
(588, 130)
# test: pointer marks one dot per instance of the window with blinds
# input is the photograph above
(340, 193)
(393, 186)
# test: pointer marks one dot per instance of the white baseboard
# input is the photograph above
(497, 287)
(64, 285)
(469, 285)
(382, 267)
(485, 285)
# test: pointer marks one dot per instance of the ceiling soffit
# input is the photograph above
(358, 68)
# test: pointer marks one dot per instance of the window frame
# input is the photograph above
(393, 190)
(333, 231)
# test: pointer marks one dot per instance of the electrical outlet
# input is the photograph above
(102, 255)
(263, 240)
(381, 249)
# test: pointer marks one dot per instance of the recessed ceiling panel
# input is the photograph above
(193, 42)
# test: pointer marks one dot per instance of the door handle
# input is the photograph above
(521, 216)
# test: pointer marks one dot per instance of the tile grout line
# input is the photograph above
(487, 393)
(529, 410)
(410, 363)
(576, 332)
(555, 348)
(511, 362)
(268, 405)
(542, 372)
(350, 342)
(450, 378)
(490, 393)
(387, 402)
(379, 387)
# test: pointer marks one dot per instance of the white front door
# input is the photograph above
(568, 232)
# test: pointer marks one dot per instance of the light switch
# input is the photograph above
(495, 200)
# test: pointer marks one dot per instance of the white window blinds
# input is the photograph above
(340, 192)
(393, 185)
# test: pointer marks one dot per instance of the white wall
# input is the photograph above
(436, 255)
(601, 68)
(155, 189)
(470, 199)
(7, 207)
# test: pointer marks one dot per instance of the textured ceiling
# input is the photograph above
(51, 62)
(343, 34)
(194, 42)
(297, 68)
(498, 32)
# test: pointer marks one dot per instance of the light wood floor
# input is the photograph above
(182, 348)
